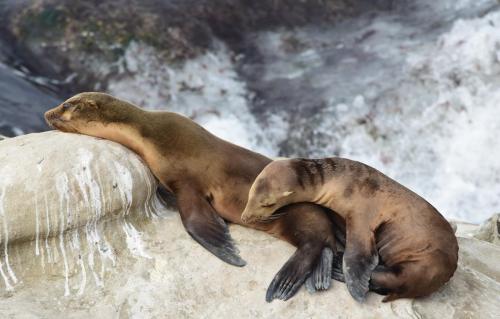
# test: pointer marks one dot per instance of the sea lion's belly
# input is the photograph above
(394, 252)
(397, 243)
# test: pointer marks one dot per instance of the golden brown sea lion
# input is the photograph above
(210, 179)
(385, 222)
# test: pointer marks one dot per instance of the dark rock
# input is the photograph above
(67, 37)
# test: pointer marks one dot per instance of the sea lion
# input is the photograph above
(385, 222)
(210, 179)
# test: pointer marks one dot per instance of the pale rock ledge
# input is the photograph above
(82, 235)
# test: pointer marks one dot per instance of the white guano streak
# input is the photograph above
(146, 175)
(62, 188)
(6, 239)
(37, 226)
(37, 217)
(125, 186)
(134, 240)
(47, 215)
(8, 286)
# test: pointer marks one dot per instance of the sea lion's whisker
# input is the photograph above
(273, 217)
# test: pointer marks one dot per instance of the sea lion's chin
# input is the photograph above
(50, 118)
(62, 126)
(248, 218)
(245, 219)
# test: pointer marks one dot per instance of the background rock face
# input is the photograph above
(74, 36)
(132, 266)
(490, 230)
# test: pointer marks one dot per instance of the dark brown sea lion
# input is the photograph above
(210, 179)
(385, 222)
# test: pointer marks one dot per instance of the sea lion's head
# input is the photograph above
(273, 188)
(87, 113)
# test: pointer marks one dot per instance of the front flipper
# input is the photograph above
(337, 274)
(360, 259)
(320, 278)
(166, 198)
(206, 227)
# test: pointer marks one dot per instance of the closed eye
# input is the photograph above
(268, 205)
(67, 106)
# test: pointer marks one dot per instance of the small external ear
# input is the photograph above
(287, 193)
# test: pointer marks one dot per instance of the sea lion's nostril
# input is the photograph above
(51, 117)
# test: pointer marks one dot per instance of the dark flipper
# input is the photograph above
(337, 272)
(292, 275)
(206, 227)
(166, 198)
(360, 259)
(320, 278)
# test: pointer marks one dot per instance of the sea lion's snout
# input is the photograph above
(51, 116)
(246, 218)
(57, 118)
(252, 215)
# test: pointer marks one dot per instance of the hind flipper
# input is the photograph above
(294, 272)
(337, 271)
(320, 278)
(206, 227)
(360, 259)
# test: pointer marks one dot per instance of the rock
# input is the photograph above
(157, 270)
(2, 137)
(53, 182)
(490, 230)
(56, 181)
(71, 38)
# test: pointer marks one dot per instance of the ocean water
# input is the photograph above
(413, 92)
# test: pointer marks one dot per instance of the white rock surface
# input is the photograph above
(158, 271)
(67, 180)
(52, 182)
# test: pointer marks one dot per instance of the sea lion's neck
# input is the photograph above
(126, 135)
(319, 181)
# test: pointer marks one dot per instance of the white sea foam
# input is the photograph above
(419, 106)
(437, 132)
(206, 89)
